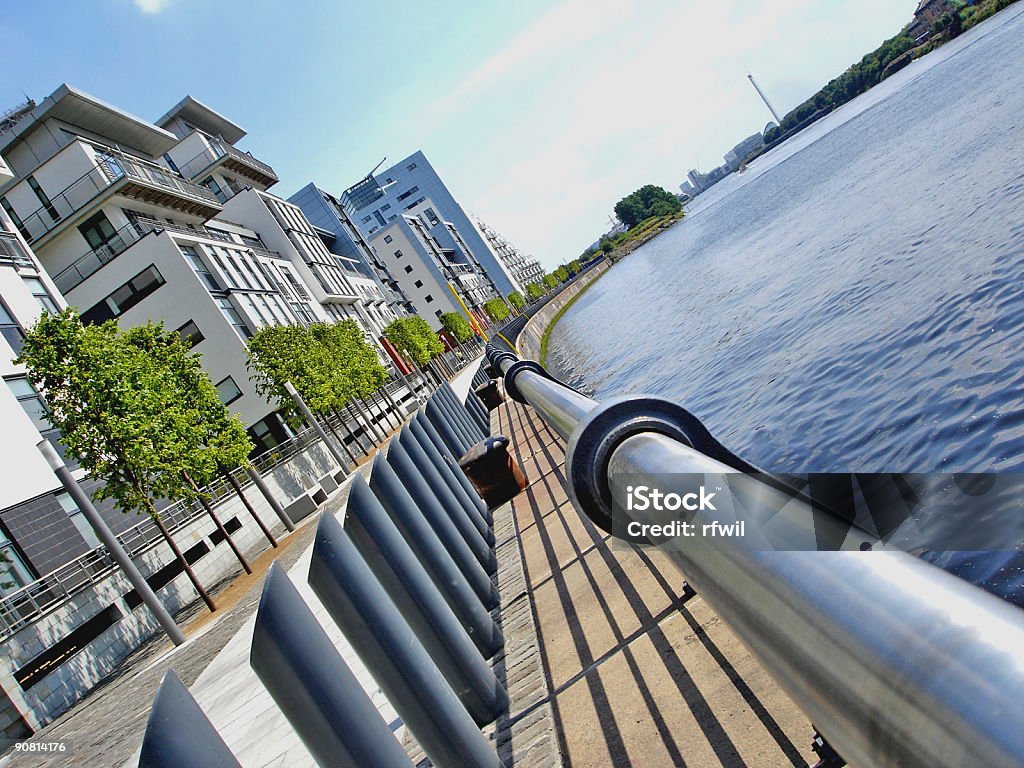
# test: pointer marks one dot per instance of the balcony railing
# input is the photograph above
(218, 150)
(13, 253)
(89, 262)
(114, 169)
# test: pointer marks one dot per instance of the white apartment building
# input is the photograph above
(139, 221)
(436, 279)
(524, 269)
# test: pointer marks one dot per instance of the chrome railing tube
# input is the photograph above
(561, 407)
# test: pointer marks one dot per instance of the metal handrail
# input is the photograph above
(895, 661)
(13, 253)
(217, 149)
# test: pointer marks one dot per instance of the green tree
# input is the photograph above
(640, 205)
(534, 291)
(457, 325)
(574, 267)
(550, 281)
(496, 309)
(117, 414)
(414, 337)
(561, 274)
(515, 299)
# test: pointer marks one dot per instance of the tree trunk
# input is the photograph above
(217, 522)
(184, 563)
(245, 501)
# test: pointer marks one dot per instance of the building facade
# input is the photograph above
(524, 269)
(736, 156)
(382, 197)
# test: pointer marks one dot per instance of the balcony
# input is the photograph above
(89, 263)
(220, 153)
(119, 173)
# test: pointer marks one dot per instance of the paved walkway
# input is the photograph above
(637, 673)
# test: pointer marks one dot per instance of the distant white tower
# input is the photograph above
(764, 98)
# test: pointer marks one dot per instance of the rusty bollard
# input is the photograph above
(489, 394)
(495, 475)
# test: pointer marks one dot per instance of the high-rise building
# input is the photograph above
(524, 269)
(404, 188)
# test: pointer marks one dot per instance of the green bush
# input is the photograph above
(457, 325)
(496, 309)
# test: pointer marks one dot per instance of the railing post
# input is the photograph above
(393, 654)
(275, 505)
(290, 388)
(447, 470)
(314, 687)
(449, 457)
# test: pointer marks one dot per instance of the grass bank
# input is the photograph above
(558, 316)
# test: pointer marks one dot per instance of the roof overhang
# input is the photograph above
(78, 108)
(203, 117)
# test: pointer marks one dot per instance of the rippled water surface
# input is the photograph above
(855, 300)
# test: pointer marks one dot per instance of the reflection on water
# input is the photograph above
(855, 301)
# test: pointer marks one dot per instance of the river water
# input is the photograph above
(854, 301)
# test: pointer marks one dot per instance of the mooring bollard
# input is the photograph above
(179, 733)
(469, 549)
(474, 504)
(462, 516)
(437, 560)
(393, 654)
(494, 473)
(313, 686)
(409, 585)
(421, 421)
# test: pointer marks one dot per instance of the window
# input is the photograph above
(408, 268)
(30, 401)
(389, 180)
(125, 297)
(35, 285)
(190, 334)
(14, 574)
(429, 299)
(210, 183)
(228, 391)
(199, 267)
(43, 198)
(388, 238)
(432, 217)
(438, 314)
(386, 207)
(411, 167)
(15, 218)
(367, 219)
(171, 164)
(380, 218)
(78, 520)
(97, 231)
(398, 254)
(419, 283)
(229, 311)
(408, 194)
(11, 331)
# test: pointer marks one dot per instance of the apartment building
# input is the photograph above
(171, 221)
(326, 213)
(435, 278)
(524, 269)
(403, 189)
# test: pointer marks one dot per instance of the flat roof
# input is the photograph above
(91, 114)
(205, 118)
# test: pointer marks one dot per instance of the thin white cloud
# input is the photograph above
(152, 6)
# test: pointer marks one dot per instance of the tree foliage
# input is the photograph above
(515, 299)
(327, 363)
(561, 274)
(550, 281)
(649, 200)
(534, 291)
(457, 325)
(413, 336)
(496, 309)
(574, 267)
(135, 408)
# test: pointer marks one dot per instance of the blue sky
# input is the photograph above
(538, 115)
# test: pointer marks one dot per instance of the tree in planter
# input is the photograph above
(457, 325)
(108, 401)
(497, 310)
(415, 338)
(534, 291)
(515, 300)
(205, 437)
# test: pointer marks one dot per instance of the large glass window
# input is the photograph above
(35, 285)
(43, 198)
(30, 401)
(78, 520)
(14, 574)
(15, 218)
(199, 267)
(125, 297)
(229, 311)
(97, 230)
(11, 331)
(190, 334)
